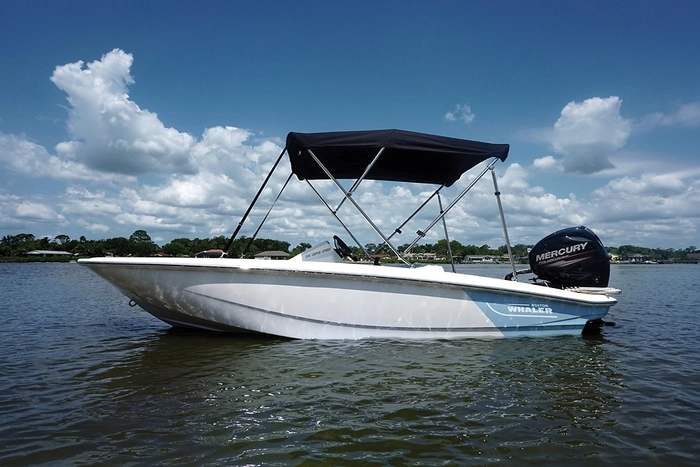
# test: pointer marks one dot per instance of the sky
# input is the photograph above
(166, 116)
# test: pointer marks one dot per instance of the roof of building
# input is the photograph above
(49, 253)
(272, 253)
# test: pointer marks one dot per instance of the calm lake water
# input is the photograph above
(87, 380)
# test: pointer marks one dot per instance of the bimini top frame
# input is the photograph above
(389, 155)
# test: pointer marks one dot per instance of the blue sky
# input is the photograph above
(165, 116)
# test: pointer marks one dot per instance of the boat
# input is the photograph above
(328, 292)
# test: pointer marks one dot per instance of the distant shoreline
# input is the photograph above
(45, 259)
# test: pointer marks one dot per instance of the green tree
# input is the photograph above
(177, 247)
(441, 250)
(61, 239)
(118, 246)
(141, 244)
(44, 243)
(143, 249)
(300, 248)
(139, 236)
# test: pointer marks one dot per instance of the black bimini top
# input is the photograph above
(407, 157)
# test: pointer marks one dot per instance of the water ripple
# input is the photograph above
(87, 380)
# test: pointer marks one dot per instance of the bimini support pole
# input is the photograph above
(250, 208)
(257, 231)
(398, 229)
(447, 237)
(334, 213)
(503, 221)
(357, 206)
(359, 180)
(422, 233)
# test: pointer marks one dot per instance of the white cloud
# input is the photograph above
(531, 211)
(25, 157)
(685, 115)
(121, 169)
(109, 131)
(110, 137)
(186, 192)
(222, 148)
(650, 208)
(463, 113)
(110, 134)
(629, 196)
(38, 212)
(94, 228)
(588, 132)
(547, 163)
(660, 185)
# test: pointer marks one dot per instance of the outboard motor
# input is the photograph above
(572, 257)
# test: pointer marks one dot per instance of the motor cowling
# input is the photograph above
(572, 257)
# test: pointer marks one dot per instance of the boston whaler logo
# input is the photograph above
(533, 308)
(521, 310)
(549, 255)
(502, 312)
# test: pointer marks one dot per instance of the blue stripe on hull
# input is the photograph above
(511, 313)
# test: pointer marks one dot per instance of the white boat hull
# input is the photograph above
(344, 301)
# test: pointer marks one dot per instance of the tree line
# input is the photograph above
(140, 244)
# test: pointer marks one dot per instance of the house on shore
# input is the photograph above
(47, 253)
(265, 255)
(481, 259)
(420, 256)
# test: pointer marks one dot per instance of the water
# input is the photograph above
(87, 380)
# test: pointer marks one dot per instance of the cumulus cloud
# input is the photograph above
(531, 211)
(462, 113)
(547, 163)
(173, 182)
(94, 228)
(588, 132)
(109, 131)
(123, 166)
(20, 155)
(659, 185)
(38, 212)
(650, 207)
(121, 169)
